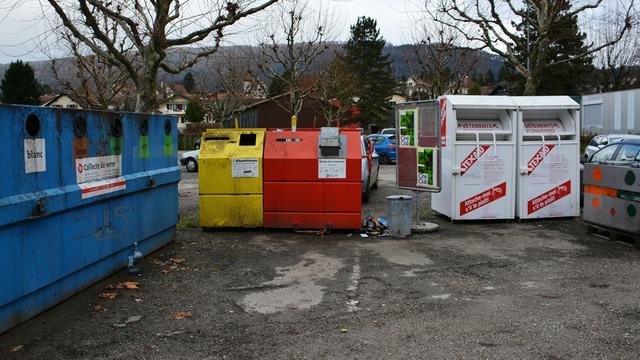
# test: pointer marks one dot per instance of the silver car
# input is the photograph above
(189, 159)
(600, 141)
(370, 167)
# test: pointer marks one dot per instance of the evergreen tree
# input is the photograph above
(364, 58)
(278, 85)
(19, 85)
(189, 82)
(475, 89)
(488, 78)
(566, 41)
(195, 111)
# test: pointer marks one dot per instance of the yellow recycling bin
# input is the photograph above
(230, 177)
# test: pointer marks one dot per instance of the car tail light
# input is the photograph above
(391, 147)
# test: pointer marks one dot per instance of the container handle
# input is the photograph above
(495, 146)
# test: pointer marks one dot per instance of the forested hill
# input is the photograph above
(397, 55)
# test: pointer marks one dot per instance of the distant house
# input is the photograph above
(63, 101)
(173, 100)
(268, 114)
(175, 105)
(252, 87)
(396, 99)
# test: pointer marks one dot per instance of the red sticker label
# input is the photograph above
(542, 126)
(543, 200)
(482, 199)
(443, 122)
(538, 157)
(473, 158)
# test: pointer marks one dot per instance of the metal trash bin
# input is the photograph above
(611, 197)
(312, 179)
(230, 178)
(400, 208)
(80, 191)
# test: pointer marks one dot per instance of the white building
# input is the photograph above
(60, 101)
(175, 105)
(616, 112)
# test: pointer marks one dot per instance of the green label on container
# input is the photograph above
(115, 143)
(168, 145)
(426, 167)
(143, 147)
(408, 128)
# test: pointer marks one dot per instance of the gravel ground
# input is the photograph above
(494, 290)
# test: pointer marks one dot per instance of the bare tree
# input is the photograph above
(89, 78)
(491, 20)
(225, 104)
(294, 44)
(152, 28)
(337, 89)
(440, 59)
(616, 65)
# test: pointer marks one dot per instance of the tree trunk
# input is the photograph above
(530, 86)
(146, 91)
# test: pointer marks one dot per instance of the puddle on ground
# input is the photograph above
(441, 297)
(411, 273)
(300, 290)
(397, 252)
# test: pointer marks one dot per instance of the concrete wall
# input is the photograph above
(612, 113)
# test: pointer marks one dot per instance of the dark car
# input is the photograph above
(385, 146)
(623, 152)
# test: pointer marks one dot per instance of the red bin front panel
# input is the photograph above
(295, 196)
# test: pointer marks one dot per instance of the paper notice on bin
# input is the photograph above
(100, 175)
(332, 168)
(35, 156)
(98, 168)
(245, 168)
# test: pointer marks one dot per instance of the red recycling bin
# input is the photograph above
(304, 188)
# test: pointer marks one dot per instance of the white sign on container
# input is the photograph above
(245, 168)
(100, 175)
(98, 168)
(332, 168)
(35, 156)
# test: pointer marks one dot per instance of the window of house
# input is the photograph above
(56, 106)
(72, 106)
(178, 107)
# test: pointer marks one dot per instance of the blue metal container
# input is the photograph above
(77, 190)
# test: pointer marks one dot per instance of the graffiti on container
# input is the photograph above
(112, 223)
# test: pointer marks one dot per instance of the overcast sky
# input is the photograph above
(21, 30)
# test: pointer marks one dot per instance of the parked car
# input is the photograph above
(370, 167)
(190, 160)
(600, 141)
(385, 147)
(621, 152)
(388, 131)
